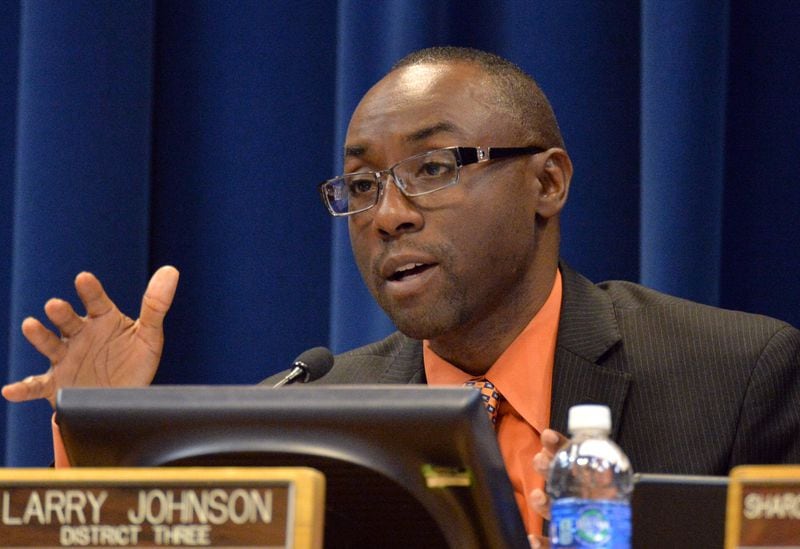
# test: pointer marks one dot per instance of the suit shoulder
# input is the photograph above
(389, 346)
(655, 319)
(395, 359)
(632, 298)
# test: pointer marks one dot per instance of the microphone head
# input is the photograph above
(316, 362)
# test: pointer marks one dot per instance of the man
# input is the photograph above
(457, 174)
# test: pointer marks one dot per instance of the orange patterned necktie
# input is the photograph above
(489, 395)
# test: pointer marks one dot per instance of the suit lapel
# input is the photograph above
(587, 368)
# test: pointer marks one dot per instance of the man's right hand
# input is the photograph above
(105, 348)
(552, 441)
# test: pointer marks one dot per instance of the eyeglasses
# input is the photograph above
(415, 176)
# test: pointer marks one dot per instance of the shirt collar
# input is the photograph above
(523, 373)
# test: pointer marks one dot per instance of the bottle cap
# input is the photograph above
(589, 416)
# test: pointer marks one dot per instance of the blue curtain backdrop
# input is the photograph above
(134, 134)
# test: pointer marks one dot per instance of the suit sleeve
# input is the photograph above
(769, 426)
(60, 459)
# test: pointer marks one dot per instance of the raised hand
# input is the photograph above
(105, 348)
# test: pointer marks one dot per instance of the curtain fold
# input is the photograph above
(9, 47)
(243, 129)
(82, 171)
(760, 243)
(684, 83)
(134, 134)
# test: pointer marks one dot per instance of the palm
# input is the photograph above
(108, 352)
(105, 348)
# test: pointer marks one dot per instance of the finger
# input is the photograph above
(158, 298)
(538, 542)
(551, 443)
(552, 440)
(43, 340)
(539, 502)
(64, 317)
(92, 295)
(31, 388)
(541, 463)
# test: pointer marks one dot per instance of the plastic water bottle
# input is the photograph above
(590, 485)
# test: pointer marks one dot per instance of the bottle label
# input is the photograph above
(583, 523)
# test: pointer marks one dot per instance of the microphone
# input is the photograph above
(309, 366)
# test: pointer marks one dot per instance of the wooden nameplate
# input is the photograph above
(192, 506)
(763, 507)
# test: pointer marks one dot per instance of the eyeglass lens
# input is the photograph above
(414, 176)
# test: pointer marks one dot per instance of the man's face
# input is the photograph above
(453, 263)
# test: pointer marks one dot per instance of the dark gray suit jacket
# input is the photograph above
(692, 389)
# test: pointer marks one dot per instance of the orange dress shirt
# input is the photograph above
(523, 375)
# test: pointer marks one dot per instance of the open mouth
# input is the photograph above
(408, 270)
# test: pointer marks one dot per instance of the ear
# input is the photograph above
(554, 175)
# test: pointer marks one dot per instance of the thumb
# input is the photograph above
(158, 298)
(30, 388)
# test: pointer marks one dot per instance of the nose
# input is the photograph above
(395, 213)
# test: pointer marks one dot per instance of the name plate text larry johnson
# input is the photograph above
(166, 507)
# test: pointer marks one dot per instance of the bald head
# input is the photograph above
(516, 93)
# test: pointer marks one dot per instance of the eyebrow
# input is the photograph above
(425, 133)
(357, 151)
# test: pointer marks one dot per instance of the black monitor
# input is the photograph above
(679, 511)
(405, 466)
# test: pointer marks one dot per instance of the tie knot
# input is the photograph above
(489, 396)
